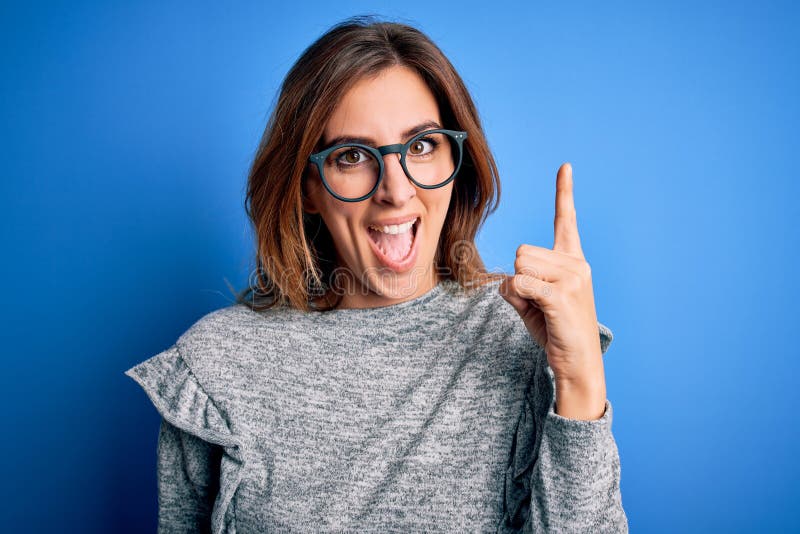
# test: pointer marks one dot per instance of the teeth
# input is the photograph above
(394, 228)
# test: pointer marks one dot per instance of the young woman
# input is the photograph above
(374, 376)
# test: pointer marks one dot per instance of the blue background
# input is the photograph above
(126, 133)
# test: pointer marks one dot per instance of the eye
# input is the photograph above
(422, 146)
(352, 156)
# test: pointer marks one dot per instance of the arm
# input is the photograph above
(188, 480)
(575, 483)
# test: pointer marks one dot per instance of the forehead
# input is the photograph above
(383, 106)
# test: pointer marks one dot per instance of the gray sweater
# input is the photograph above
(432, 415)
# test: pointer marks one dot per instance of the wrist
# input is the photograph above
(581, 399)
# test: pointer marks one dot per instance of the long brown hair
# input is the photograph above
(295, 254)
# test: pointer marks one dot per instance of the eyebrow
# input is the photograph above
(344, 139)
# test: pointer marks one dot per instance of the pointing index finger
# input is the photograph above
(565, 223)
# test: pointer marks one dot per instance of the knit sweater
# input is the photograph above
(432, 415)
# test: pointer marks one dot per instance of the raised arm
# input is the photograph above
(575, 477)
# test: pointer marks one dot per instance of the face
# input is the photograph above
(381, 109)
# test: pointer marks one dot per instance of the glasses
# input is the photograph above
(352, 172)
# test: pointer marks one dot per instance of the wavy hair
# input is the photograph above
(295, 254)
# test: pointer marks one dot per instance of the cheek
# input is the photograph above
(439, 204)
(342, 224)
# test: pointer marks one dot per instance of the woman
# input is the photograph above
(375, 377)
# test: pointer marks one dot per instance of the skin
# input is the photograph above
(552, 292)
(381, 108)
(551, 289)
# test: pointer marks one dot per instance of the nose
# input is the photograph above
(395, 187)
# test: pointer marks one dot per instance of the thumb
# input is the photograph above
(509, 293)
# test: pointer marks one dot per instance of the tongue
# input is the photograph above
(396, 247)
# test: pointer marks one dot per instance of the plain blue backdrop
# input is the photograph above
(126, 133)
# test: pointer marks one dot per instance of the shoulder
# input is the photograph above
(224, 334)
(206, 359)
(489, 299)
(215, 327)
(236, 323)
(486, 308)
(483, 312)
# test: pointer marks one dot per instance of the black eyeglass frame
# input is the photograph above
(399, 148)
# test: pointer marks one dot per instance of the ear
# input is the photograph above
(309, 205)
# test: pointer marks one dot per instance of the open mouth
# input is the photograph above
(396, 248)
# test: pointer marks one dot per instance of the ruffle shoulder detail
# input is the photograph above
(182, 401)
(527, 438)
(179, 397)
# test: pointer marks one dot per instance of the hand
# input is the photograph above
(552, 292)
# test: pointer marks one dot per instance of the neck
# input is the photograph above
(375, 291)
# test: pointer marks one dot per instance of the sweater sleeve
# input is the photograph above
(563, 474)
(575, 480)
(200, 459)
(188, 480)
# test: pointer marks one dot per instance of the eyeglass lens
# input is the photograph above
(352, 172)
